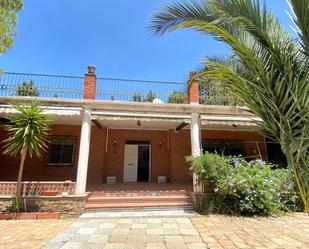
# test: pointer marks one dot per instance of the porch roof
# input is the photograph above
(156, 116)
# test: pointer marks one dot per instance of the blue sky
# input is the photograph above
(64, 36)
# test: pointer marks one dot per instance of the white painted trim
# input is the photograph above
(132, 106)
(97, 114)
(229, 118)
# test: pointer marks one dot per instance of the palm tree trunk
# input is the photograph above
(299, 176)
(23, 154)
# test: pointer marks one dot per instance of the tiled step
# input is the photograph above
(108, 199)
(139, 212)
(138, 204)
(138, 193)
(135, 200)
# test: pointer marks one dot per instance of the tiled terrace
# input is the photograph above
(29, 234)
(222, 232)
(214, 232)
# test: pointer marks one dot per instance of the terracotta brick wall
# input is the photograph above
(180, 147)
(35, 168)
(167, 160)
(114, 158)
(90, 86)
(193, 90)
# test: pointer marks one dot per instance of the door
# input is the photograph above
(130, 163)
(143, 163)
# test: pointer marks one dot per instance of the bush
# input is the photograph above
(137, 97)
(246, 187)
(177, 97)
(27, 89)
(150, 96)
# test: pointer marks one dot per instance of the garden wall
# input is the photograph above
(69, 206)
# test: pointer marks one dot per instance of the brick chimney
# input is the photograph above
(193, 89)
(90, 82)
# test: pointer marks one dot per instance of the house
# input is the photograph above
(96, 139)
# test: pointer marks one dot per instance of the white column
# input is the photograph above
(195, 129)
(82, 168)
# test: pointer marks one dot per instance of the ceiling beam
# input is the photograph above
(97, 124)
(181, 126)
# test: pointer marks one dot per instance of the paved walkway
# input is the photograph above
(29, 234)
(179, 232)
(291, 231)
(129, 233)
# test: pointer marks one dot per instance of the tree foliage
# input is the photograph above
(214, 92)
(8, 20)
(27, 89)
(137, 97)
(178, 97)
(268, 71)
(150, 96)
(27, 135)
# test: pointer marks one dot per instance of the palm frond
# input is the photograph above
(268, 70)
(301, 19)
(173, 14)
(29, 129)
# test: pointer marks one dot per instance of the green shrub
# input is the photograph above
(209, 166)
(246, 187)
(137, 97)
(177, 97)
(27, 89)
(150, 96)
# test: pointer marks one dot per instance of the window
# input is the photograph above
(226, 147)
(61, 151)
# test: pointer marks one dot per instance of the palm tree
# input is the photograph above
(27, 131)
(268, 71)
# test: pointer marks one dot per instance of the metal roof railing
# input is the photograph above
(41, 85)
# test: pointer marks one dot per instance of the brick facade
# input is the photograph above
(167, 159)
(193, 90)
(90, 84)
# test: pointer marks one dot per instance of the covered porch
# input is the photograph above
(96, 133)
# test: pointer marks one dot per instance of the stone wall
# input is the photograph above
(70, 206)
(5, 202)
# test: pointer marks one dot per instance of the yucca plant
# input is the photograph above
(268, 71)
(27, 135)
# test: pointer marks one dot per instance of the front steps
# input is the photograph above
(138, 200)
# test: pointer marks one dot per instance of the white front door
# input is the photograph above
(130, 163)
